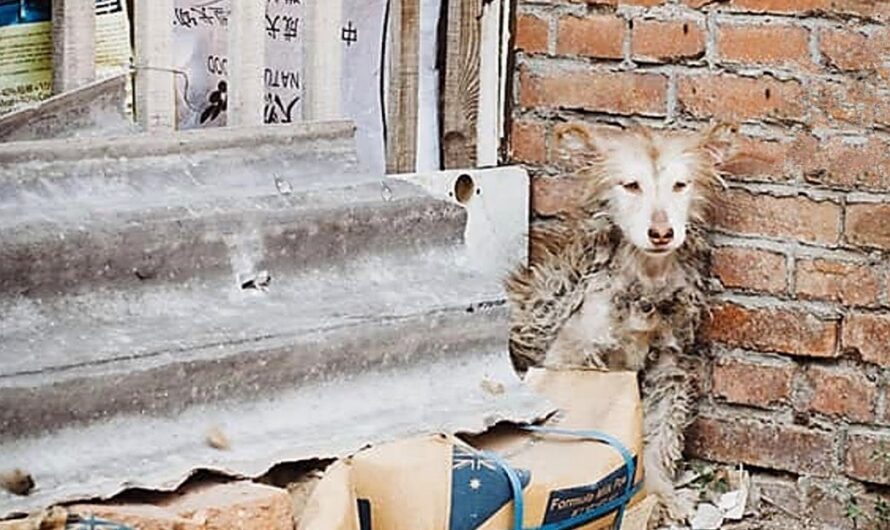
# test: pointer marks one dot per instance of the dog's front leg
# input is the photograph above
(667, 401)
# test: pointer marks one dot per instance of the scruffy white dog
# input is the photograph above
(618, 282)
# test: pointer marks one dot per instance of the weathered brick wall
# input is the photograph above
(798, 383)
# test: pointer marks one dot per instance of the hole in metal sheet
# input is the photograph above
(464, 187)
(259, 281)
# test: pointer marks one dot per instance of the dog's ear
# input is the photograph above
(719, 142)
(576, 140)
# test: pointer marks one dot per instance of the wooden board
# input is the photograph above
(487, 126)
(74, 44)
(155, 104)
(460, 103)
(401, 140)
(247, 62)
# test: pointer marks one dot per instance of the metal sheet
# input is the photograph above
(129, 325)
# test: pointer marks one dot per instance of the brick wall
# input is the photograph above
(797, 385)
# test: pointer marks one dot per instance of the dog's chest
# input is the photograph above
(622, 321)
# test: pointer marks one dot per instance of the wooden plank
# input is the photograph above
(155, 103)
(401, 141)
(506, 75)
(74, 44)
(489, 82)
(247, 60)
(323, 62)
(461, 91)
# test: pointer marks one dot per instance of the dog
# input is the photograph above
(618, 282)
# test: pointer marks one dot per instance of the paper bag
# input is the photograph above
(440, 482)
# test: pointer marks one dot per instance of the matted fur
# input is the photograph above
(652, 314)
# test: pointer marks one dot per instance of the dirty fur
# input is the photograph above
(585, 272)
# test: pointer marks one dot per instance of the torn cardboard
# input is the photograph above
(440, 481)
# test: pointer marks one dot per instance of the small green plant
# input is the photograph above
(853, 511)
(878, 518)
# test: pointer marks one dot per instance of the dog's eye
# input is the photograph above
(680, 186)
(633, 187)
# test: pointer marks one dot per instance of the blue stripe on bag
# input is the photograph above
(619, 504)
(92, 523)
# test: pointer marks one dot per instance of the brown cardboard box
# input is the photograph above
(439, 482)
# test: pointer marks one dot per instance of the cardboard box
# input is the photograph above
(440, 482)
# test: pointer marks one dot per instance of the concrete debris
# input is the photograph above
(707, 517)
(17, 482)
(721, 505)
(493, 387)
(734, 503)
(217, 439)
(54, 518)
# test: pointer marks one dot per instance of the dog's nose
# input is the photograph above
(661, 236)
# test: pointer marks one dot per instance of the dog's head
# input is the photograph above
(654, 183)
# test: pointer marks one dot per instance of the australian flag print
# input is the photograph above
(479, 488)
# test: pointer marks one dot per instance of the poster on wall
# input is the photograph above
(201, 44)
(362, 37)
(26, 48)
(200, 34)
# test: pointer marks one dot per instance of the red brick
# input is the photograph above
(783, 447)
(855, 103)
(237, 505)
(781, 491)
(735, 98)
(622, 93)
(868, 225)
(140, 516)
(749, 269)
(864, 8)
(772, 44)
(659, 41)
(551, 196)
(828, 501)
(532, 34)
(839, 163)
(782, 6)
(795, 218)
(770, 160)
(642, 3)
(772, 330)
(847, 283)
(210, 507)
(853, 51)
(600, 36)
(868, 457)
(747, 383)
(868, 334)
(838, 393)
(529, 141)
